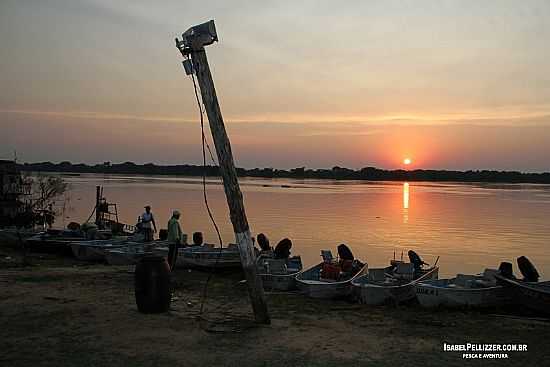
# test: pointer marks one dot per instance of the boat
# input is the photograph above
(395, 283)
(202, 255)
(54, 240)
(527, 292)
(95, 250)
(331, 278)
(106, 227)
(480, 290)
(277, 268)
(132, 252)
(205, 256)
(208, 256)
(13, 236)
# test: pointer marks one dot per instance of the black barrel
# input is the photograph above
(152, 285)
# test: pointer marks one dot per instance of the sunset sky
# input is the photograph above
(448, 84)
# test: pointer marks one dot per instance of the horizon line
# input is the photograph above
(289, 169)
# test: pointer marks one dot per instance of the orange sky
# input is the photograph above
(453, 84)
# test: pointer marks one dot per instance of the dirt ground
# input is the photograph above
(59, 312)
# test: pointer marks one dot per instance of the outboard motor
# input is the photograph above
(73, 226)
(506, 270)
(345, 253)
(528, 270)
(163, 234)
(415, 259)
(282, 250)
(263, 242)
(197, 239)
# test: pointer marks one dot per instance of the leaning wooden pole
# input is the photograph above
(97, 200)
(192, 47)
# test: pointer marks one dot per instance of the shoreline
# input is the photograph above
(335, 173)
(63, 312)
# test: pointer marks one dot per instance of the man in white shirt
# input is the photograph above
(148, 224)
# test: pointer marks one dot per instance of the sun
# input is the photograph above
(407, 161)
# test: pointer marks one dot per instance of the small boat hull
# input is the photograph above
(85, 253)
(532, 295)
(309, 284)
(49, 246)
(279, 274)
(119, 257)
(438, 294)
(54, 241)
(95, 250)
(131, 252)
(14, 236)
(209, 257)
(286, 282)
(370, 293)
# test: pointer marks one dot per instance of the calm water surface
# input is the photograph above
(471, 226)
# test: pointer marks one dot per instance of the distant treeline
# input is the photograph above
(336, 173)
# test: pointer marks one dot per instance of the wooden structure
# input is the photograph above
(106, 215)
(14, 194)
(192, 48)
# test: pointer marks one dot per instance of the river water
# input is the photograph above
(470, 226)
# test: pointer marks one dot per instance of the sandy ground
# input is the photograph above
(58, 312)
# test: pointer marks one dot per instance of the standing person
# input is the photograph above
(174, 238)
(148, 224)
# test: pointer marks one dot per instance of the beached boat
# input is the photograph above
(393, 284)
(60, 240)
(54, 240)
(278, 274)
(527, 292)
(331, 279)
(132, 252)
(14, 236)
(479, 290)
(128, 255)
(276, 267)
(209, 256)
(95, 250)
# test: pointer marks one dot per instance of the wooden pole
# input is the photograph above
(97, 200)
(231, 185)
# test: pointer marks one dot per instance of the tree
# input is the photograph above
(45, 190)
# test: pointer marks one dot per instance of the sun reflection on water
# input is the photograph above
(405, 202)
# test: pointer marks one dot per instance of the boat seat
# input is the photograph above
(489, 274)
(377, 275)
(294, 264)
(276, 266)
(404, 271)
(464, 280)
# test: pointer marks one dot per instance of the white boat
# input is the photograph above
(479, 290)
(206, 256)
(209, 256)
(132, 252)
(393, 284)
(278, 274)
(95, 250)
(313, 283)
